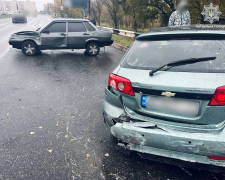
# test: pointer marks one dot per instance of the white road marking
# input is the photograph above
(32, 21)
(4, 24)
(4, 53)
(36, 20)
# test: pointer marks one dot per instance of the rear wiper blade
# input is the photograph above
(182, 62)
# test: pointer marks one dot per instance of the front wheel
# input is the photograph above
(93, 49)
(29, 48)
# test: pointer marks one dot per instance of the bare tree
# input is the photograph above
(97, 10)
(165, 7)
(116, 10)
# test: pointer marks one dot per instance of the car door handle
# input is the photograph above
(85, 34)
(62, 34)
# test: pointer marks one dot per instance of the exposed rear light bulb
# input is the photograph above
(113, 84)
(121, 86)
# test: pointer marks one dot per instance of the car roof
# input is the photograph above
(70, 20)
(193, 29)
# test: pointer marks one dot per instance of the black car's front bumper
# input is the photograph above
(16, 44)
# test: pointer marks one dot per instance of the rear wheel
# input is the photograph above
(29, 48)
(93, 49)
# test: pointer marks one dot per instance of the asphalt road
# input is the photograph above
(51, 124)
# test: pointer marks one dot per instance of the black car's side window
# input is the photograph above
(76, 27)
(57, 27)
(89, 26)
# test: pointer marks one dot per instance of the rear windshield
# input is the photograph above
(151, 54)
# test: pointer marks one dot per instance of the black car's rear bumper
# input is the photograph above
(105, 43)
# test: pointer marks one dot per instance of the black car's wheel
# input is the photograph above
(29, 48)
(93, 49)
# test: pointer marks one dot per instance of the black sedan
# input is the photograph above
(63, 34)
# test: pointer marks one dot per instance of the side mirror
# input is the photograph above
(45, 31)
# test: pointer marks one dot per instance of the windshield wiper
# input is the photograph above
(181, 62)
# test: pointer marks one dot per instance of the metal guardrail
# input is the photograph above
(130, 34)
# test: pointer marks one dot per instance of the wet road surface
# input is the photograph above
(51, 124)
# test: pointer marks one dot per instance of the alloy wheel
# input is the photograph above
(29, 49)
(93, 49)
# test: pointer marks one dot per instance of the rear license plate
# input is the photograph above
(171, 105)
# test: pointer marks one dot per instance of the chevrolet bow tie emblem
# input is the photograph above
(168, 94)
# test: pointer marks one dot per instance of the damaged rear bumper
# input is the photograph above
(194, 148)
(148, 137)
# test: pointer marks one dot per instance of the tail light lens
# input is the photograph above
(218, 98)
(121, 84)
(217, 158)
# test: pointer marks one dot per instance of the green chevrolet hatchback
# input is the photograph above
(166, 98)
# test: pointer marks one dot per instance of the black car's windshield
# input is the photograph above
(153, 54)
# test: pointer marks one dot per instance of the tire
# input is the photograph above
(29, 48)
(92, 49)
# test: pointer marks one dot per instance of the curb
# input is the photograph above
(120, 47)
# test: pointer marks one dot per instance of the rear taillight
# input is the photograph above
(121, 84)
(218, 97)
(217, 158)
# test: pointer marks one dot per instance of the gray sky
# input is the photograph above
(39, 3)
